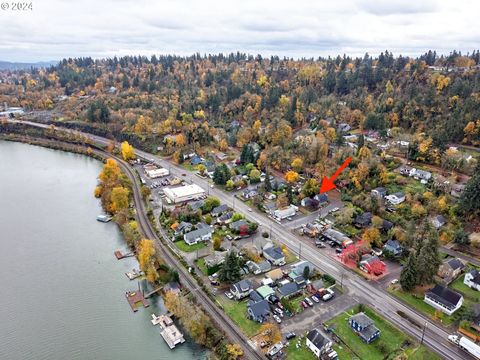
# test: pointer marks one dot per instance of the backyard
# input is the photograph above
(237, 311)
(183, 246)
(391, 343)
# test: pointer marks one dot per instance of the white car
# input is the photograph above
(277, 319)
(394, 281)
(249, 209)
(229, 295)
(334, 209)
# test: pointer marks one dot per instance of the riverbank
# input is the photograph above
(65, 287)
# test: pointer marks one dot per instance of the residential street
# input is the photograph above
(356, 287)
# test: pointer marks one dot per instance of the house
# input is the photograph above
(438, 221)
(288, 290)
(472, 279)
(217, 258)
(250, 193)
(444, 299)
(321, 198)
(364, 327)
(317, 343)
(258, 268)
(297, 279)
(386, 225)
(393, 247)
(193, 237)
(379, 192)
(300, 266)
(241, 289)
(457, 190)
(396, 198)
(173, 287)
(258, 311)
(217, 211)
(196, 205)
(255, 296)
(183, 228)
(420, 174)
(196, 160)
(239, 225)
(275, 274)
(343, 128)
(363, 220)
(269, 196)
(221, 156)
(284, 213)
(337, 237)
(265, 291)
(278, 184)
(371, 264)
(274, 255)
(316, 286)
(225, 218)
(450, 269)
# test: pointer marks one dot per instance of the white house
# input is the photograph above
(317, 343)
(472, 279)
(396, 198)
(281, 214)
(443, 299)
(195, 236)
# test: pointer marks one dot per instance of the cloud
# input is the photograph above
(304, 28)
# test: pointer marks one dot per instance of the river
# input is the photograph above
(61, 287)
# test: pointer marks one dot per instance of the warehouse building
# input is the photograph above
(184, 193)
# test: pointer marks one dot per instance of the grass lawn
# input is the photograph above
(290, 258)
(344, 352)
(237, 311)
(296, 303)
(183, 246)
(420, 305)
(389, 345)
(470, 294)
(301, 353)
(201, 265)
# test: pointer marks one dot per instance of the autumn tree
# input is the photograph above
(146, 259)
(270, 333)
(128, 153)
(291, 176)
(371, 236)
(118, 199)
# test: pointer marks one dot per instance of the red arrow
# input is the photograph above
(327, 184)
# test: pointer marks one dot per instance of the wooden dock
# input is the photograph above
(134, 298)
(119, 255)
(154, 291)
(169, 332)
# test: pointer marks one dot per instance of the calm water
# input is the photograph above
(61, 288)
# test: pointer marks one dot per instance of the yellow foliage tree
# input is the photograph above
(291, 176)
(119, 199)
(146, 253)
(297, 164)
(364, 153)
(234, 351)
(128, 153)
(371, 235)
(180, 140)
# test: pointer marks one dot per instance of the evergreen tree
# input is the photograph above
(219, 176)
(230, 270)
(470, 200)
(268, 184)
(408, 277)
(360, 143)
(289, 193)
(428, 259)
(461, 237)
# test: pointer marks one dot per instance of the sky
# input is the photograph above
(56, 29)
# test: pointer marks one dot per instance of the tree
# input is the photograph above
(291, 176)
(221, 174)
(408, 277)
(234, 351)
(146, 259)
(254, 176)
(146, 192)
(461, 237)
(306, 272)
(268, 184)
(217, 243)
(371, 235)
(230, 270)
(210, 203)
(310, 188)
(345, 215)
(128, 153)
(118, 199)
(470, 199)
(297, 164)
(201, 169)
(428, 259)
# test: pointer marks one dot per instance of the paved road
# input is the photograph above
(435, 336)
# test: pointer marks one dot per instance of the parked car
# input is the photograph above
(335, 209)
(229, 295)
(229, 237)
(328, 296)
(278, 312)
(394, 281)
(315, 298)
(338, 250)
(303, 304)
(280, 306)
(308, 301)
(277, 319)
(290, 335)
(320, 245)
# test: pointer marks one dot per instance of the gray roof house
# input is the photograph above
(288, 290)
(225, 217)
(275, 255)
(195, 236)
(216, 211)
(393, 246)
(321, 198)
(363, 220)
(438, 221)
(299, 266)
(444, 299)
(379, 192)
(196, 205)
(183, 228)
(364, 327)
(238, 224)
(258, 311)
(241, 289)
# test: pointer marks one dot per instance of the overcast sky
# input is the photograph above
(296, 28)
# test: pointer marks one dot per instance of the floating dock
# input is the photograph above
(104, 218)
(134, 298)
(119, 255)
(132, 275)
(169, 332)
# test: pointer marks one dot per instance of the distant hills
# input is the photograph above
(7, 65)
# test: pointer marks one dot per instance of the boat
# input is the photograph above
(134, 274)
(104, 218)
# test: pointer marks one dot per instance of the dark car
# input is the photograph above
(290, 335)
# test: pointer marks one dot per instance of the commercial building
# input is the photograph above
(184, 193)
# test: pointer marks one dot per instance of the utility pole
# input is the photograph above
(423, 332)
(300, 250)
